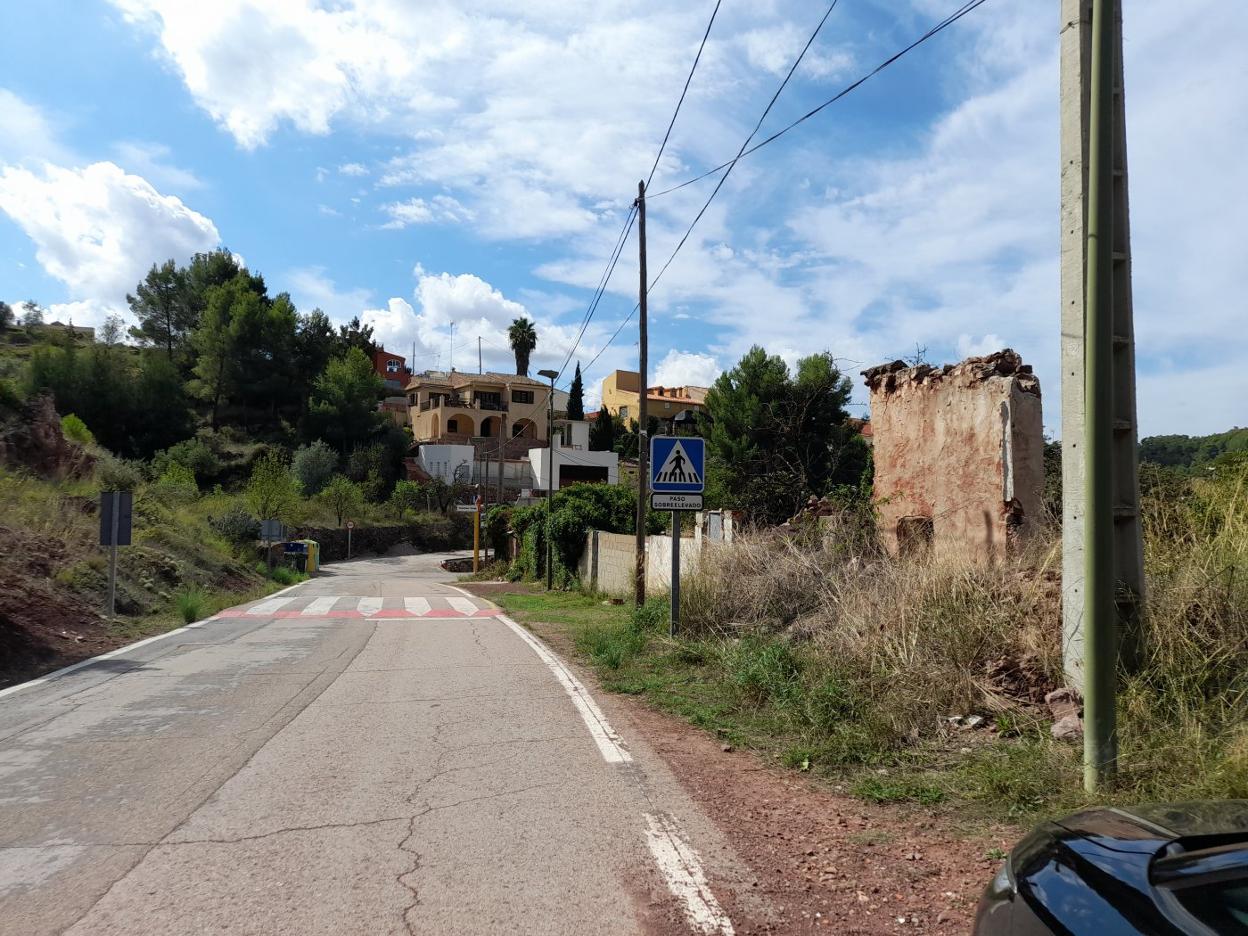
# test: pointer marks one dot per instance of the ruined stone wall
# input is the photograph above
(959, 454)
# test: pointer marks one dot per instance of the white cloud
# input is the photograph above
(682, 368)
(152, 162)
(25, 133)
(99, 229)
(774, 48)
(353, 169)
(311, 288)
(535, 118)
(978, 347)
(439, 209)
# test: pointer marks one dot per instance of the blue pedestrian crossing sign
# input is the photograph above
(677, 465)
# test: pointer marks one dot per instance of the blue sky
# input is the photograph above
(421, 163)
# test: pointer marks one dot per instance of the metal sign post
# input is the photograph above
(677, 479)
(350, 527)
(476, 537)
(116, 509)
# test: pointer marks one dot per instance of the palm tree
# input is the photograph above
(523, 339)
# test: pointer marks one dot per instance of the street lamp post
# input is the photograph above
(550, 474)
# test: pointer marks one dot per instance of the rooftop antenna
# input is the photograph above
(452, 351)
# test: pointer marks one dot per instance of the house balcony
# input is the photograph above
(458, 403)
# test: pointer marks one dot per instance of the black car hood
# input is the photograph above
(1153, 825)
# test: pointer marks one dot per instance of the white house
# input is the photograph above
(572, 459)
(449, 463)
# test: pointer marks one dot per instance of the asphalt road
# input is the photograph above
(372, 752)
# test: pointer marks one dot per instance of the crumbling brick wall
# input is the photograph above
(959, 454)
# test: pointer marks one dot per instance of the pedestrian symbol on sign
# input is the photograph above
(677, 464)
(676, 469)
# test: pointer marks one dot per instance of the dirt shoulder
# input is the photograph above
(824, 861)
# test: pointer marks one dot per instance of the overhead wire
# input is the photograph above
(948, 21)
(698, 217)
(757, 126)
(685, 90)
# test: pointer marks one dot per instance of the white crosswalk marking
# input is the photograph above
(417, 605)
(268, 607)
(322, 605)
(462, 605)
(369, 606)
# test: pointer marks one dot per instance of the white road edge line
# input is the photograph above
(677, 860)
(610, 744)
(682, 871)
(57, 674)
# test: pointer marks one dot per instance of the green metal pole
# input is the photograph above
(550, 487)
(1100, 741)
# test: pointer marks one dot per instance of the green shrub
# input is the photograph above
(190, 603)
(177, 483)
(762, 670)
(236, 526)
(652, 616)
(898, 790)
(611, 646)
(10, 394)
(284, 575)
(76, 430)
(118, 474)
(195, 454)
(314, 464)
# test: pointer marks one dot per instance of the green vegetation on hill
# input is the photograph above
(1192, 452)
(230, 407)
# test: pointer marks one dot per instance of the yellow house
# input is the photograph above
(621, 397)
(457, 408)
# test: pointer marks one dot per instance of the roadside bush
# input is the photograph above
(10, 395)
(314, 464)
(194, 454)
(176, 483)
(191, 603)
(118, 474)
(237, 527)
(284, 575)
(574, 511)
(858, 655)
(76, 430)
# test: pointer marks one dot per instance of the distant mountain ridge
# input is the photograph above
(1181, 451)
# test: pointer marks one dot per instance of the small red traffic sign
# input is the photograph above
(350, 524)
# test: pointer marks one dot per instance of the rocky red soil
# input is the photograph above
(42, 626)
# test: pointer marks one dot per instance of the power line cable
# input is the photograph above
(684, 91)
(619, 247)
(753, 132)
(948, 21)
(728, 171)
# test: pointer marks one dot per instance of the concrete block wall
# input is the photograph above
(608, 562)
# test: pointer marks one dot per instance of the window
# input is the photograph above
(623, 412)
(1222, 905)
(521, 396)
(392, 366)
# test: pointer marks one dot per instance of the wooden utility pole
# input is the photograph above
(479, 367)
(1102, 544)
(643, 442)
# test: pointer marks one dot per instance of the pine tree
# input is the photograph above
(576, 396)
